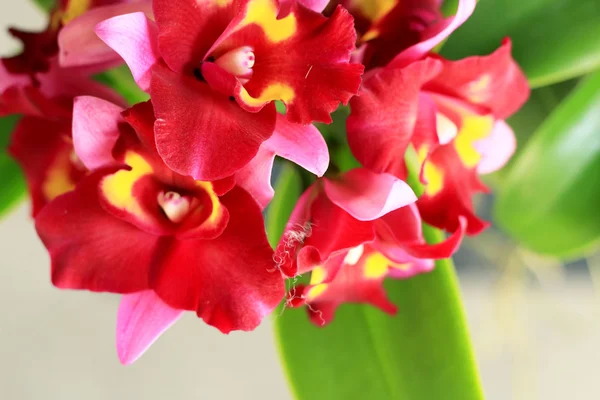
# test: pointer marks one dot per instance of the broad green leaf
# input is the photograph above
(46, 5)
(553, 40)
(121, 80)
(12, 183)
(550, 199)
(422, 353)
(287, 190)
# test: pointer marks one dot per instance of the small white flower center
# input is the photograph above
(175, 206)
(446, 129)
(354, 255)
(238, 62)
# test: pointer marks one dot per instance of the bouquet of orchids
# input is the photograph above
(155, 184)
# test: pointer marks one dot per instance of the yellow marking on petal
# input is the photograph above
(474, 128)
(369, 35)
(318, 275)
(217, 208)
(58, 178)
(478, 89)
(118, 187)
(434, 176)
(74, 9)
(222, 3)
(373, 10)
(275, 91)
(316, 291)
(264, 14)
(376, 266)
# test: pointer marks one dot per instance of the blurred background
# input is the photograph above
(535, 323)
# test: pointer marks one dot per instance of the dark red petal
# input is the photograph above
(188, 28)
(494, 81)
(384, 115)
(229, 281)
(202, 133)
(449, 192)
(43, 149)
(89, 248)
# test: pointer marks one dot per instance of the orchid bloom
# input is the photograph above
(352, 232)
(228, 61)
(453, 113)
(168, 242)
(396, 31)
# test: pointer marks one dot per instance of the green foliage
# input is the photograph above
(553, 40)
(121, 80)
(12, 188)
(287, 190)
(46, 5)
(422, 353)
(550, 198)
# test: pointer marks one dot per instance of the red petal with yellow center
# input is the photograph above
(357, 282)
(229, 281)
(449, 191)
(301, 59)
(89, 248)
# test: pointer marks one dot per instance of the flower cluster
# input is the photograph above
(162, 201)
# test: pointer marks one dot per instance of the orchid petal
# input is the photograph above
(301, 144)
(135, 38)
(141, 319)
(497, 148)
(439, 33)
(95, 130)
(78, 43)
(367, 195)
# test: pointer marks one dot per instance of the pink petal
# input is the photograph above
(497, 148)
(301, 144)
(95, 130)
(438, 33)
(78, 42)
(134, 37)
(141, 319)
(315, 5)
(255, 177)
(367, 195)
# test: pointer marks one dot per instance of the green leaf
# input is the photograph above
(422, 353)
(46, 5)
(553, 40)
(121, 80)
(287, 190)
(12, 188)
(550, 198)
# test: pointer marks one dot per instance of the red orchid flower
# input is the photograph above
(167, 241)
(352, 232)
(453, 113)
(400, 31)
(228, 61)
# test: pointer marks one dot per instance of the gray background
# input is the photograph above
(535, 325)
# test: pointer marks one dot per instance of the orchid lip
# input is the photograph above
(175, 206)
(239, 62)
